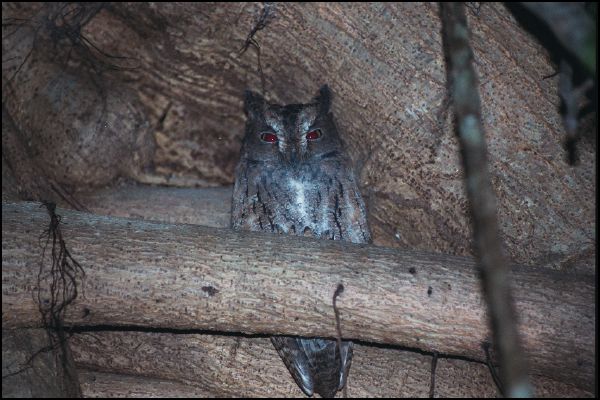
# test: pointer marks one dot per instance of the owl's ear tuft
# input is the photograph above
(254, 104)
(323, 99)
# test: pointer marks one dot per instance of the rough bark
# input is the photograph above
(77, 128)
(184, 277)
(212, 365)
(105, 384)
(210, 207)
(26, 179)
(384, 64)
(206, 206)
(31, 367)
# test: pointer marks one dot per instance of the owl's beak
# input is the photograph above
(293, 155)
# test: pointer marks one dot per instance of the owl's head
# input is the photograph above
(293, 134)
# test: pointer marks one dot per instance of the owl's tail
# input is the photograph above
(316, 364)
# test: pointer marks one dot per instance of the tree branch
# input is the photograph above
(482, 201)
(574, 29)
(161, 275)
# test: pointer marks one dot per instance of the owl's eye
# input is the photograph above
(313, 135)
(269, 137)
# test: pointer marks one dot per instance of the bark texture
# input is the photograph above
(206, 206)
(184, 276)
(171, 113)
(178, 365)
(31, 367)
(384, 63)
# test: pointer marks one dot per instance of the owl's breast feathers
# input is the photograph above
(323, 202)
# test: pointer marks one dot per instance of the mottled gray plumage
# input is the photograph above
(295, 178)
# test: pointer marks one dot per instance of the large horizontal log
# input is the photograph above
(212, 207)
(192, 365)
(198, 206)
(192, 277)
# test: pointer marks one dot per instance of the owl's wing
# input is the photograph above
(315, 363)
(296, 361)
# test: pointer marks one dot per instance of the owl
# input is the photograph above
(294, 178)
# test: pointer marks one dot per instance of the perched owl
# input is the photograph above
(295, 178)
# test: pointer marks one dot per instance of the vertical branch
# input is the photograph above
(493, 267)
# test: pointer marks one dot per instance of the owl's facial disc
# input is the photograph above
(290, 135)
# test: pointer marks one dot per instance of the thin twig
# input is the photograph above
(493, 373)
(433, 366)
(264, 19)
(339, 290)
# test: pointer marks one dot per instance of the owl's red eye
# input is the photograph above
(268, 137)
(313, 135)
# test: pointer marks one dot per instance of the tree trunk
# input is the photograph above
(194, 277)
